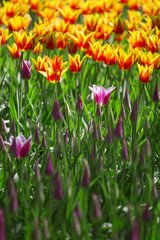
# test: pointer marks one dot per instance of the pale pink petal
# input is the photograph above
(95, 93)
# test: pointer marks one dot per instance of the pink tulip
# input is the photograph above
(101, 94)
(19, 145)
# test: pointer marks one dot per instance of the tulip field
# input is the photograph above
(79, 120)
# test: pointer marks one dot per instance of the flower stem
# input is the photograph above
(26, 90)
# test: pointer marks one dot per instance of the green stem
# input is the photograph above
(26, 91)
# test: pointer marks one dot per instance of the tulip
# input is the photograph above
(26, 69)
(19, 145)
(56, 112)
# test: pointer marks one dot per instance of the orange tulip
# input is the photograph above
(18, 23)
(55, 70)
(119, 25)
(69, 15)
(4, 35)
(81, 39)
(134, 17)
(74, 63)
(91, 21)
(125, 61)
(153, 43)
(137, 39)
(109, 56)
(15, 53)
(62, 41)
(148, 58)
(23, 40)
(103, 31)
(96, 51)
(41, 63)
(145, 72)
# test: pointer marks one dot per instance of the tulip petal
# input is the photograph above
(25, 148)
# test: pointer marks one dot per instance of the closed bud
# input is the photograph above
(68, 111)
(95, 131)
(4, 127)
(14, 201)
(37, 171)
(154, 190)
(118, 132)
(156, 94)
(46, 228)
(36, 135)
(13, 127)
(124, 154)
(78, 211)
(79, 105)
(26, 69)
(126, 100)
(135, 232)
(2, 226)
(86, 178)
(93, 155)
(56, 112)
(58, 194)
(44, 142)
(109, 138)
(133, 116)
(49, 167)
(76, 223)
(96, 207)
(98, 111)
(36, 233)
(147, 147)
(146, 214)
(123, 113)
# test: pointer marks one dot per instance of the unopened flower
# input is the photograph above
(156, 94)
(58, 194)
(56, 112)
(124, 154)
(26, 69)
(79, 105)
(146, 214)
(86, 177)
(118, 132)
(49, 168)
(19, 145)
(101, 94)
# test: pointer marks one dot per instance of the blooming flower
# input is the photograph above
(101, 94)
(19, 145)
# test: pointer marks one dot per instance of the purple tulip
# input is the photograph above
(49, 167)
(26, 69)
(56, 112)
(101, 94)
(156, 94)
(19, 145)
(2, 226)
(79, 105)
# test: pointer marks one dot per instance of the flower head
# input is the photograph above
(101, 94)
(19, 145)
(26, 69)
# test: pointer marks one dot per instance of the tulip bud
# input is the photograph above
(133, 116)
(2, 145)
(36, 135)
(135, 232)
(93, 155)
(98, 112)
(37, 171)
(58, 194)
(26, 69)
(90, 126)
(4, 127)
(13, 147)
(56, 112)
(123, 113)
(13, 127)
(124, 154)
(148, 147)
(95, 131)
(68, 111)
(49, 168)
(76, 223)
(78, 211)
(44, 142)
(156, 94)
(36, 233)
(86, 179)
(79, 105)
(97, 214)
(46, 228)
(118, 132)
(2, 226)
(126, 98)
(109, 138)
(146, 214)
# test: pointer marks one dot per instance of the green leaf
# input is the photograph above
(12, 107)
